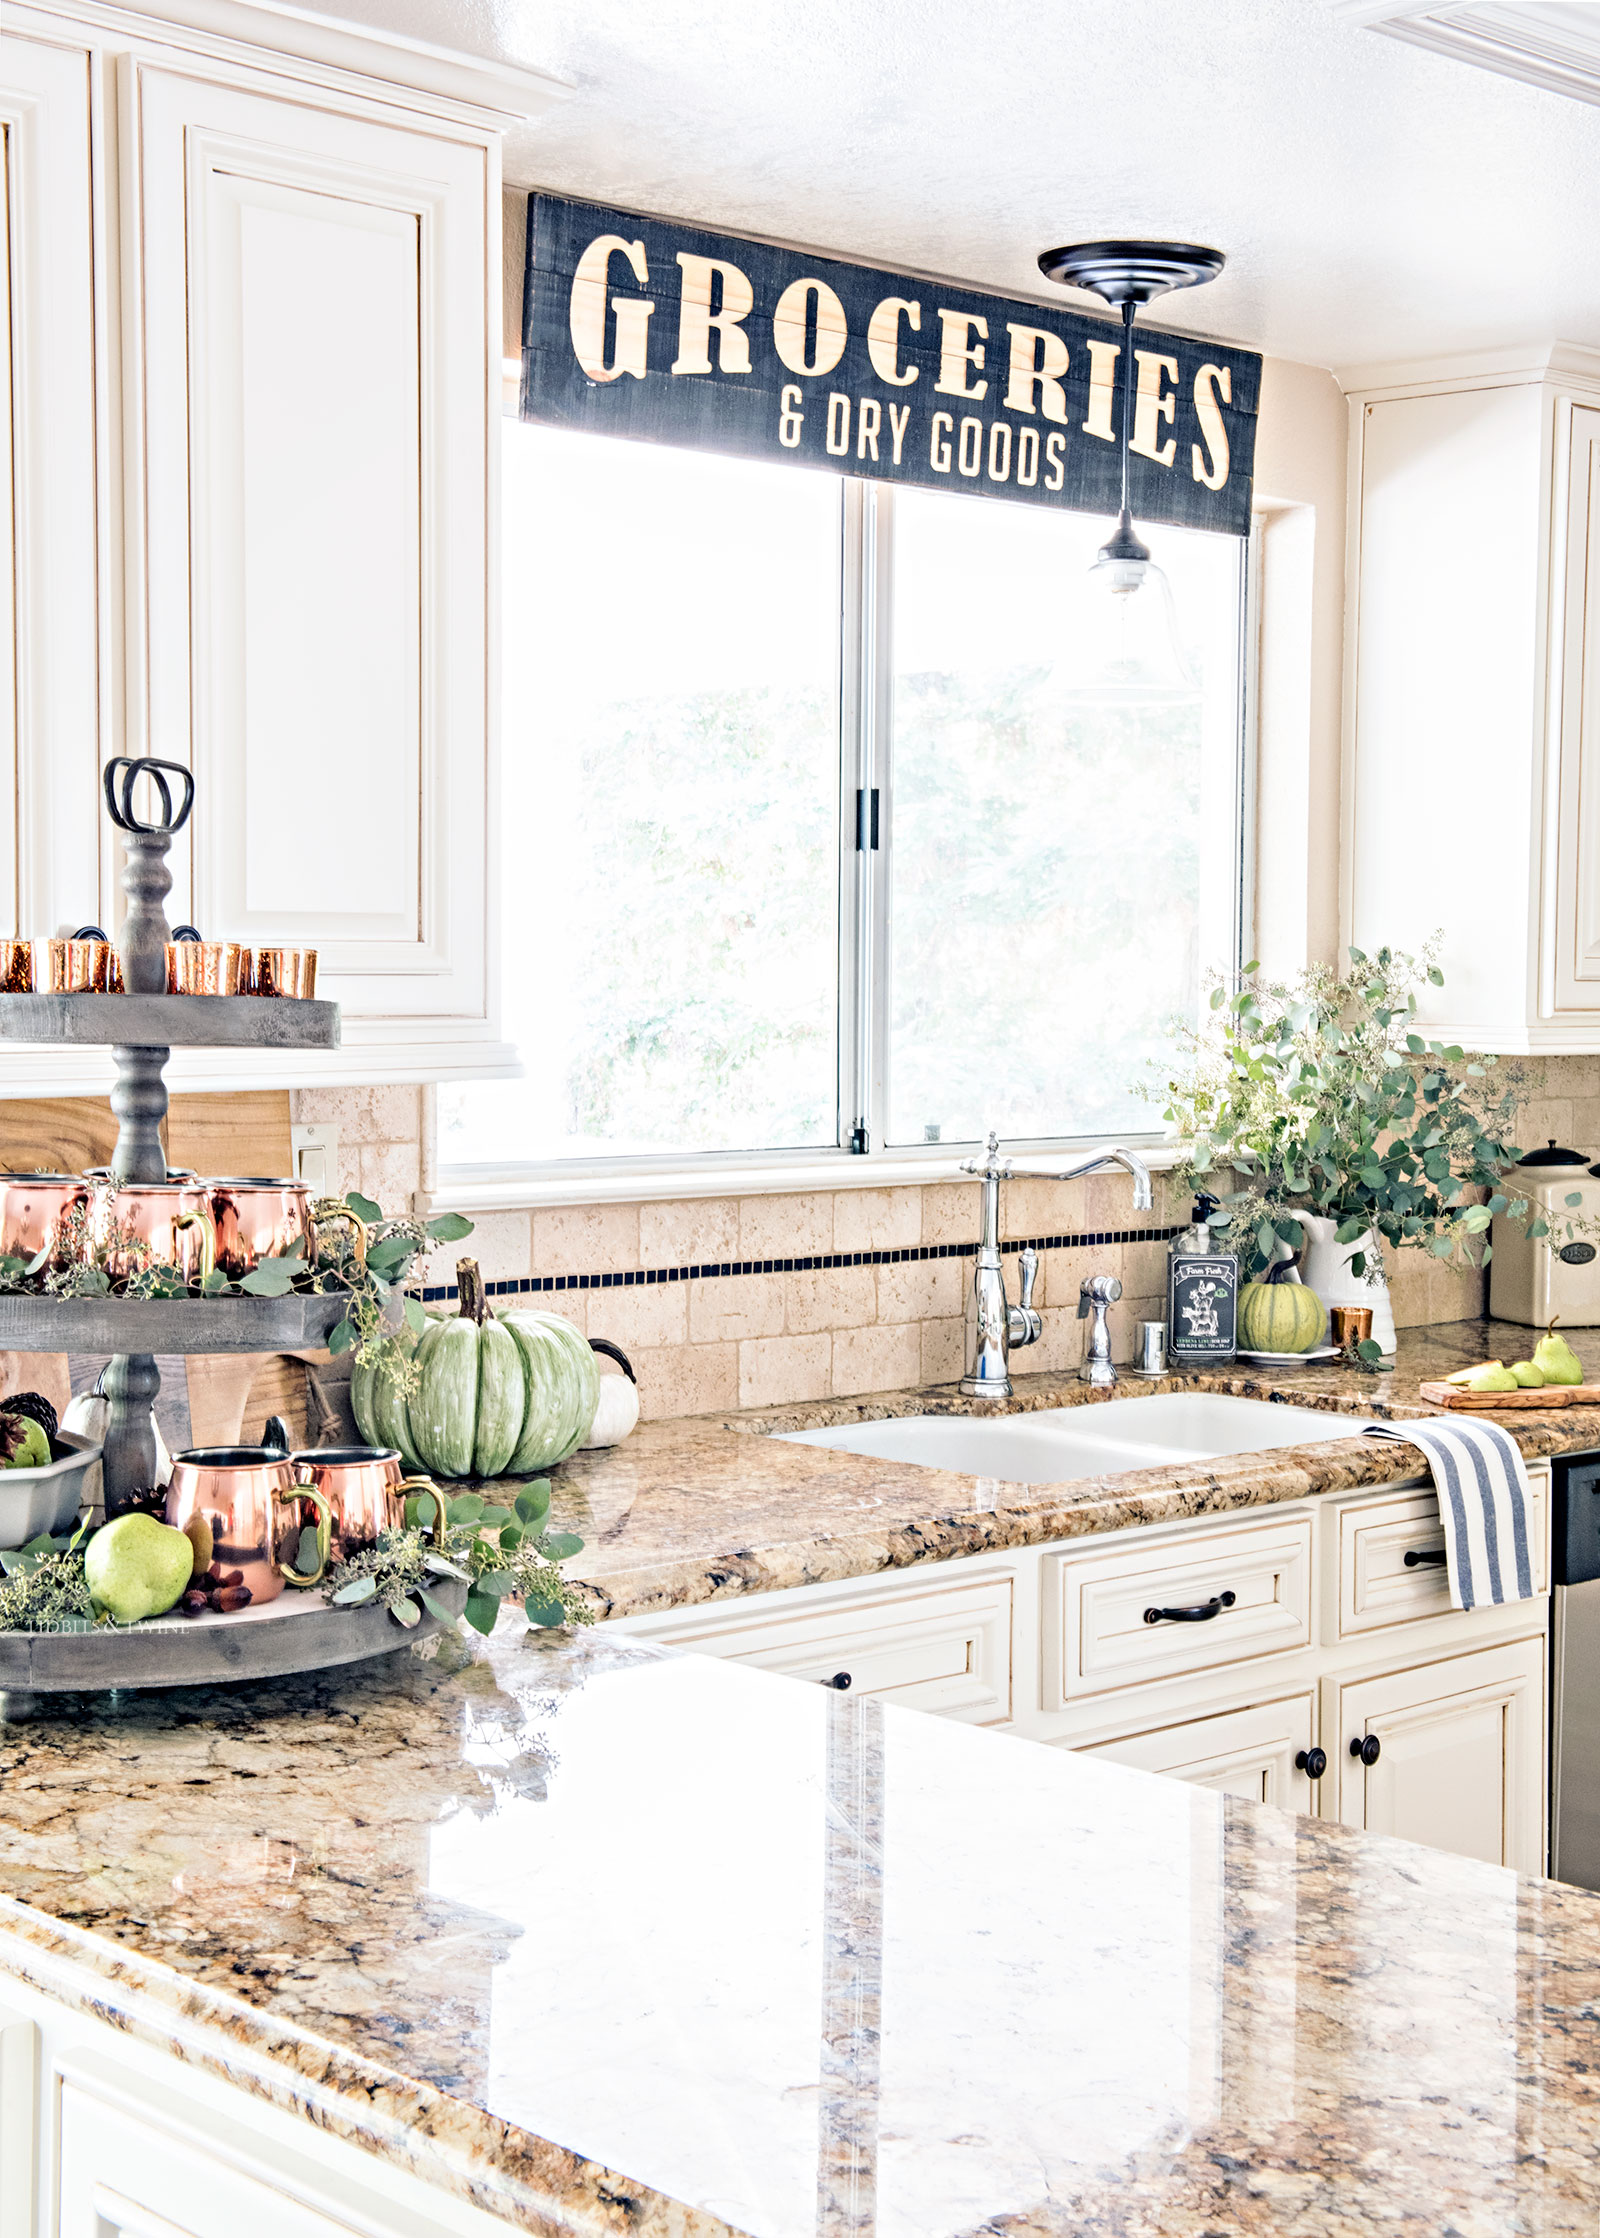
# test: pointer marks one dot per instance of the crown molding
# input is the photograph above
(1499, 368)
(1538, 44)
(391, 65)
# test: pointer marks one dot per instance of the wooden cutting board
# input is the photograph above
(1546, 1395)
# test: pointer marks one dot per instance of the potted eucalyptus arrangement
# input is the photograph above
(1325, 1125)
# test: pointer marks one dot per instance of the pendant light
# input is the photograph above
(1128, 623)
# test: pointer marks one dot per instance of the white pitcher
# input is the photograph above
(1325, 1268)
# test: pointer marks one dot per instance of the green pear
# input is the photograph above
(23, 1444)
(1528, 1375)
(1555, 1359)
(137, 1567)
(1491, 1378)
(1465, 1375)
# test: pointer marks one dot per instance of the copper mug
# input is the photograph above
(40, 1211)
(138, 1224)
(247, 1502)
(365, 1486)
(258, 1218)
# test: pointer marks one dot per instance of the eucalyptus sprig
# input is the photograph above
(499, 1553)
(1319, 1095)
(44, 1588)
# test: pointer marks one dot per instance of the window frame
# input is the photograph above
(866, 581)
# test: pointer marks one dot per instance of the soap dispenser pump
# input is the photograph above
(1202, 1292)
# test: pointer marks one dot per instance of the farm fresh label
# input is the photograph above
(642, 327)
(1202, 1305)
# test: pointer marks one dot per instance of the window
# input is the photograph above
(722, 681)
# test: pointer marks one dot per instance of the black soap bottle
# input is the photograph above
(1202, 1293)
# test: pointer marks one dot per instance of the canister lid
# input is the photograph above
(1553, 1155)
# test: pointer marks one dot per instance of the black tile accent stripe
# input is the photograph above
(543, 1284)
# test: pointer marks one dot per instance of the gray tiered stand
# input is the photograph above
(143, 1026)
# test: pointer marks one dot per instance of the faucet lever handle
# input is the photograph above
(1028, 1265)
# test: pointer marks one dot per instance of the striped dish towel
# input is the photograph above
(1483, 1502)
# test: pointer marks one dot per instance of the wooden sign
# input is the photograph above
(642, 327)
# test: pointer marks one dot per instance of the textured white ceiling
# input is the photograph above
(1376, 201)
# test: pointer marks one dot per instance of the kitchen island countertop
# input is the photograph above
(701, 1508)
(607, 1938)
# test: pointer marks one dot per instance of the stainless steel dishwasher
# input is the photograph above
(1575, 1650)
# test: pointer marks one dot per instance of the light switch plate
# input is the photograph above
(316, 1157)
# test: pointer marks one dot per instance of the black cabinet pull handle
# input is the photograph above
(840, 1679)
(1202, 1615)
(1368, 1750)
(1312, 1761)
(1426, 1558)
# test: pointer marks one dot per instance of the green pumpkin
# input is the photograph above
(494, 1396)
(1279, 1316)
(563, 1388)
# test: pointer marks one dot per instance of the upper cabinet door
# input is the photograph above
(314, 366)
(1575, 711)
(52, 696)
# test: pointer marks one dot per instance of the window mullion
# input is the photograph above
(855, 776)
(880, 701)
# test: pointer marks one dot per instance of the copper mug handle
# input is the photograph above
(328, 1211)
(422, 1484)
(208, 1240)
(305, 1487)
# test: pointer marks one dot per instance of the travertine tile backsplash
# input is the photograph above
(704, 1341)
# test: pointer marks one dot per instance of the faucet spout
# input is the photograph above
(995, 1327)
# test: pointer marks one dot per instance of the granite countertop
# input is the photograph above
(608, 1938)
(697, 1509)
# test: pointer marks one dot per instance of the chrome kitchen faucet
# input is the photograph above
(994, 1325)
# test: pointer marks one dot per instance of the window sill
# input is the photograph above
(482, 1191)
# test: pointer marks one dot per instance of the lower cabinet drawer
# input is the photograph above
(1250, 1753)
(947, 1650)
(1379, 1585)
(1134, 1613)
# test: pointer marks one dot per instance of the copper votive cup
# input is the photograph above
(205, 967)
(285, 971)
(16, 967)
(1349, 1326)
(82, 967)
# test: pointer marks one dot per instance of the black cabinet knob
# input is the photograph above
(840, 1679)
(1312, 1761)
(1426, 1557)
(1368, 1750)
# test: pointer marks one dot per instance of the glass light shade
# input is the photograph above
(1124, 643)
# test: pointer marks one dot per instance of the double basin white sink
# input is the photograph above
(1058, 1443)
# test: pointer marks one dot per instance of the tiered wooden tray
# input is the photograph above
(298, 1632)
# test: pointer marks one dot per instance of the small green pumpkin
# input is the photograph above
(494, 1396)
(1277, 1315)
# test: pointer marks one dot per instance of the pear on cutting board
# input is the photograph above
(1491, 1377)
(1465, 1375)
(1555, 1358)
(1527, 1375)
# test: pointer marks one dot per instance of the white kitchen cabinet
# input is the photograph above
(1458, 1753)
(1473, 676)
(943, 1647)
(275, 275)
(1329, 1635)
(56, 716)
(1250, 1753)
(102, 2135)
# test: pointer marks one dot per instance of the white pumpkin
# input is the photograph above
(618, 1409)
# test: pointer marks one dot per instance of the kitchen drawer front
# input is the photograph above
(1377, 1589)
(1095, 1606)
(1250, 1752)
(947, 1650)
